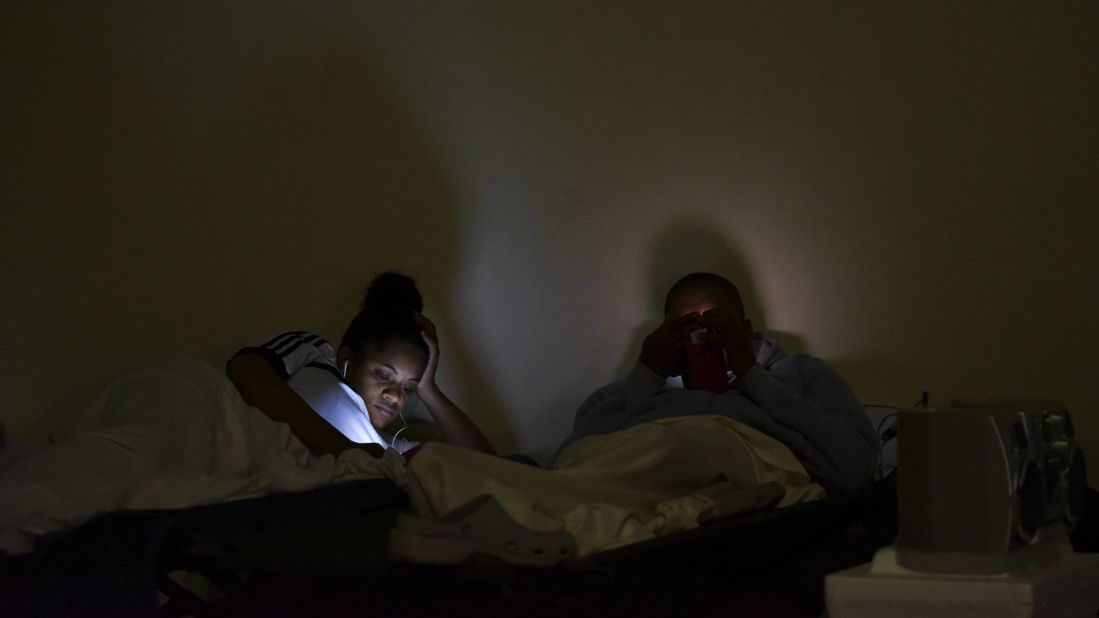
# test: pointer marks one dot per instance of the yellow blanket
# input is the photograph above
(615, 489)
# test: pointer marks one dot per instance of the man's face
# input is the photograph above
(700, 299)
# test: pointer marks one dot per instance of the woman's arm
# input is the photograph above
(262, 387)
(456, 427)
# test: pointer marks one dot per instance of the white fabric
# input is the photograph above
(337, 403)
(308, 363)
(173, 436)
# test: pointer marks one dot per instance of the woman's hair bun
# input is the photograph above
(386, 316)
(392, 293)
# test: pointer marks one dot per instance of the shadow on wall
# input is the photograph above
(693, 243)
(373, 188)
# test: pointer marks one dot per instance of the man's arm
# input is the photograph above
(807, 405)
(615, 406)
(821, 422)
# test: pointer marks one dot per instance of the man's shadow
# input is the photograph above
(691, 243)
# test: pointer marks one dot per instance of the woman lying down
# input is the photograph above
(334, 401)
(181, 434)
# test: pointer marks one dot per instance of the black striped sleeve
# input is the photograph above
(290, 351)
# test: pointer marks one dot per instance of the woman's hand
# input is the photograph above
(456, 427)
(431, 338)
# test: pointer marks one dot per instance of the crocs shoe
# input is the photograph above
(481, 527)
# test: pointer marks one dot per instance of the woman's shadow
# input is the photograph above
(691, 243)
(367, 184)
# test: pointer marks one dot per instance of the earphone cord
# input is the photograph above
(402, 428)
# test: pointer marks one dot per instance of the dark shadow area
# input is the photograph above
(391, 205)
(287, 167)
(691, 243)
(289, 555)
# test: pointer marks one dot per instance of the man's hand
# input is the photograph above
(727, 329)
(665, 348)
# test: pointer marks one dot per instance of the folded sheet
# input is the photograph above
(615, 489)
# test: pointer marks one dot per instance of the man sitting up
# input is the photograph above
(796, 399)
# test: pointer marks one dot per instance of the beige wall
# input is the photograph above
(907, 192)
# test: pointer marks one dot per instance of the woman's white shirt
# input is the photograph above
(308, 364)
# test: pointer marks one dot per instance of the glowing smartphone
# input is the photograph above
(706, 368)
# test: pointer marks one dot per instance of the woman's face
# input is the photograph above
(386, 379)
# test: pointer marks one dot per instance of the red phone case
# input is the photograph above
(706, 368)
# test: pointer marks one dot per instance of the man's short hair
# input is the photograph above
(704, 279)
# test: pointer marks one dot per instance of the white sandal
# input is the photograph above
(480, 527)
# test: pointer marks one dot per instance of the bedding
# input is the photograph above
(133, 562)
(179, 435)
(616, 489)
(173, 436)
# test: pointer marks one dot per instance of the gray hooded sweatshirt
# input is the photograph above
(796, 399)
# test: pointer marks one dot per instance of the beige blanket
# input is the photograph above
(620, 488)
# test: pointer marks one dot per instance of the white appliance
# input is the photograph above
(986, 492)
